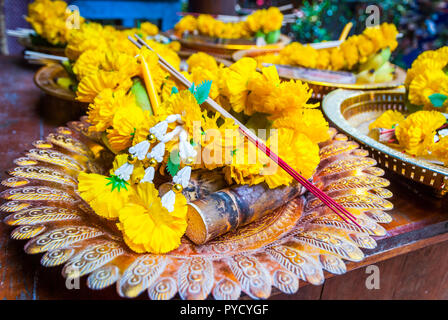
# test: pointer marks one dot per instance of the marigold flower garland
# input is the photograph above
(423, 133)
(427, 81)
(49, 19)
(366, 54)
(264, 23)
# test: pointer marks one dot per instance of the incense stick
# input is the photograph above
(332, 204)
(345, 31)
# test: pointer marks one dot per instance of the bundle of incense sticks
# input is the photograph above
(327, 200)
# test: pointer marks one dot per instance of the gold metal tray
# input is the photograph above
(352, 112)
(296, 242)
(322, 88)
(223, 47)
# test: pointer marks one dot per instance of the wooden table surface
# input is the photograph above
(412, 258)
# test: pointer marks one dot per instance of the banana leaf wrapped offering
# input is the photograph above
(182, 169)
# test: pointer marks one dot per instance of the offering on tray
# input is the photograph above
(159, 133)
(365, 56)
(423, 130)
(263, 24)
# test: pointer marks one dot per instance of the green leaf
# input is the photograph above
(174, 90)
(192, 89)
(202, 91)
(272, 37)
(412, 107)
(173, 163)
(141, 96)
(260, 34)
(117, 183)
(437, 99)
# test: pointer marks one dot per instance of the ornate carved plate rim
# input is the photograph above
(298, 241)
(331, 106)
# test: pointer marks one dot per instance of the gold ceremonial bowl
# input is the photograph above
(352, 112)
(322, 88)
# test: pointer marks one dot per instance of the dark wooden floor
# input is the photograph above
(412, 259)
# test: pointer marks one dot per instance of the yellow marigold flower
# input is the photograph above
(416, 133)
(390, 33)
(337, 59)
(167, 87)
(174, 45)
(187, 23)
(365, 47)
(48, 18)
(122, 62)
(217, 142)
(185, 104)
(127, 120)
(425, 84)
(235, 80)
(375, 35)
(305, 56)
(428, 60)
(245, 166)
(106, 103)
(88, 62)
(388, 120)
(260, 87)
(200, 74)
(88, 36)
(203, 60)
(274, 20)
(440, 150)
(94, 83)
(164, 51)
(287, 97)
(147, 226)
(350, 51)
(298, 151)
(97, 191)
(323, 60)
(149, 29)
(310, 122)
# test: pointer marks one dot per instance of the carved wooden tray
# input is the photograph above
(352, 112)
(223, 47)
(26, 42)
(60, 104)
(297, 242)
(322, 88)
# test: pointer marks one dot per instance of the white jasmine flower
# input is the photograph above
(125, 171)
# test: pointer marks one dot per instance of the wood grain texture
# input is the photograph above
(411, 257)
